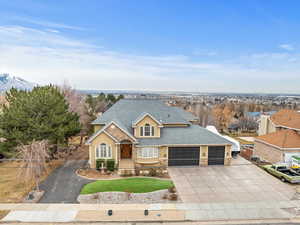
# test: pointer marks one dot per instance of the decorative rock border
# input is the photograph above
(125, 198)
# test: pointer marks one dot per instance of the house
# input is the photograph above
(138, 133)
(279, 138)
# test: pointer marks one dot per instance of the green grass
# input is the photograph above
(133, 185)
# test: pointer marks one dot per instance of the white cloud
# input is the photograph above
(46, 23)
(287, 47)
(48, 57)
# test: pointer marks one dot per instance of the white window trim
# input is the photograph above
(143, 133)
(148, 153)
(108, 153)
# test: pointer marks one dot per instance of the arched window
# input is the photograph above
(103, 151)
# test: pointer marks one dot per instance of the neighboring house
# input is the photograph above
(139, 133)
(279, 138)
(256, 115)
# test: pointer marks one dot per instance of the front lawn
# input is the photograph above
(132, 185)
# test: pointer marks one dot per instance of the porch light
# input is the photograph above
(146, 212)
(109, 212)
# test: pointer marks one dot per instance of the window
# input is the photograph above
(103, 151)
(148, 153)
(147, 130)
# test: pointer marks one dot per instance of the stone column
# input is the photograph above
(203, 155)
(227, 158)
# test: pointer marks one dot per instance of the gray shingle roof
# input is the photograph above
(192, 135)
(126, 111)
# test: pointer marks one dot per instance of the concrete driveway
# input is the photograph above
(63, 185)
(240, 182)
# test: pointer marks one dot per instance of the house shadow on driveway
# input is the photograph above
(63, 185)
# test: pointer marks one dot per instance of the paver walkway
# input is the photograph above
(63, 185)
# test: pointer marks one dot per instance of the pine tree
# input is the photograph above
(40, 114)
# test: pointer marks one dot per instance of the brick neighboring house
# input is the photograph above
(137, 133)
(279, 136)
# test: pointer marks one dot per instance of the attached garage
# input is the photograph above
(216, 155)
(183, 156)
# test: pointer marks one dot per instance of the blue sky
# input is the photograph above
(213, 45)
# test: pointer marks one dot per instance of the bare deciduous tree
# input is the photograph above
(77, 103)
(34, 157)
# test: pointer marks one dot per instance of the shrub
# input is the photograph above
(110, 165)
(152, 172)
(99, 163)
(172, 189)
(137, 172)
(173, 197)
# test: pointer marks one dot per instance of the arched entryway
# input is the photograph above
(126, 149)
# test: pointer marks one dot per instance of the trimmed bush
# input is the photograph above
(99, 163)
(110, 164)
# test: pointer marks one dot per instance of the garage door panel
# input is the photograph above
(183, 156)
(216, 155)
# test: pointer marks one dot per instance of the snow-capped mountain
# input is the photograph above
(7, 82)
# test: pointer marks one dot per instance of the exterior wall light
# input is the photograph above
(146, 212)
(109, 212)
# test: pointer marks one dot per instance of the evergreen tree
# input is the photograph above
(40, 114)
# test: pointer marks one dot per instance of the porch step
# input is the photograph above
(126, 167)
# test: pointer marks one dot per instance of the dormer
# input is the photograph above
(147, 126)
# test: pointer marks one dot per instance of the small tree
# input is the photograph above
(34, 156)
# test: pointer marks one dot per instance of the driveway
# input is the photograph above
(240, 182)
(63, 185)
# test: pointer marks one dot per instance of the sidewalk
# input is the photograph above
(284, 210)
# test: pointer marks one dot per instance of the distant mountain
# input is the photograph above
(7, 82)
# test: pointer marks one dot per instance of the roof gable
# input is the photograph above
(144, 115)
(116, 136)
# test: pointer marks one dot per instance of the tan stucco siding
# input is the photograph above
(149, 120)
(97, 127)
(101, 138)
(267, 152)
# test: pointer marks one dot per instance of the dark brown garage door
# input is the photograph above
(216, 155)
(183, 156)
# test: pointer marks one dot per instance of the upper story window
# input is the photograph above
(103, 151)
(147, 130)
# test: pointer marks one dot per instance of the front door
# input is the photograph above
(126, 150)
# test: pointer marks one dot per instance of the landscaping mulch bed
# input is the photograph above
(94, 174)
